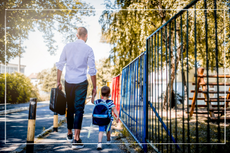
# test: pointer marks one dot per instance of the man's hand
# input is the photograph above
(93, 96)
(59, 85)
(94, 92)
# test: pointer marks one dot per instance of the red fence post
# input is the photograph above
(116, 92)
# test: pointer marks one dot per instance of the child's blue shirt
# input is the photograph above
(109, 103)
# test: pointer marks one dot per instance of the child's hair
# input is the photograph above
(105, 91)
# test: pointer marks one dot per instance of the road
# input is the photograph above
(16, 126)
(14, 106)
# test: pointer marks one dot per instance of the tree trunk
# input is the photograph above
(184, 93)
(168, 95)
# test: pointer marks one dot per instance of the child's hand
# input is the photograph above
(117, 119)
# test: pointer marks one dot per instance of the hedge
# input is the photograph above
(19, 88)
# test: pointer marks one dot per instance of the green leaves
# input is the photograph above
(48, 79)
(127, 29)
(104, 72)
(19, 89)
(41, 15)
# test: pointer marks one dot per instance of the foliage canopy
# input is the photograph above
(127, 28)
(23, 16)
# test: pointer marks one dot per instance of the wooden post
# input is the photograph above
(204, 88)
(31, 125)
(194, 96)
(55, 122)
(200, 80)
(227, 97)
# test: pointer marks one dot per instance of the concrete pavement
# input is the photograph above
(56, 141)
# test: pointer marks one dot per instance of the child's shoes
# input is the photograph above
(99, 146)
(109, 141)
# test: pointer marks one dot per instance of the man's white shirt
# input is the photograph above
(77, 56)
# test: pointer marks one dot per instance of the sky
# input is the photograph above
(36, 57)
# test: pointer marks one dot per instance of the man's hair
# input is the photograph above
(82, 31)
(105, 91)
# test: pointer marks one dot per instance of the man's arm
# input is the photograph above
(59, 72)
(94, 91)
(92, 70)
(60, 66)
(93, 97)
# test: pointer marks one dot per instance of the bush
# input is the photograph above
(44, 98)
(19, 88)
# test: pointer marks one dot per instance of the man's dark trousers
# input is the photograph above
(75, 95)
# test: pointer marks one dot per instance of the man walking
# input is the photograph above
(77, 56)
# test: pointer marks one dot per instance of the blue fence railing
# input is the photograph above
(175, 94)
(132, 105)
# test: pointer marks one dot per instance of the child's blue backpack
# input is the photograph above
(101, 115)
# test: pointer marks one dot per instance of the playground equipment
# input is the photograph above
(215, 111)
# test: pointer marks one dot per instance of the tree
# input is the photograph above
(23, 16)
(127, 30)
(18, 87)
(104, 72)
(48, 79)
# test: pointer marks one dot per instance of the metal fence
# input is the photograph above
(187, 80)
(177, 93)
(132, 106)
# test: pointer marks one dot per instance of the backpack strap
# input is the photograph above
(107, 101)
(108, 127)
(90, 129)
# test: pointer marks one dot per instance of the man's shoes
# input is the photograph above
(69, 137)
(99, 146)
(77, 144)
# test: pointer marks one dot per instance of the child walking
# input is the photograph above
(105, 92)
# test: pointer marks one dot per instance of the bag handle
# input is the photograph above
(58, 87)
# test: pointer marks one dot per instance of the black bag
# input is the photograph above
(57, 101)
